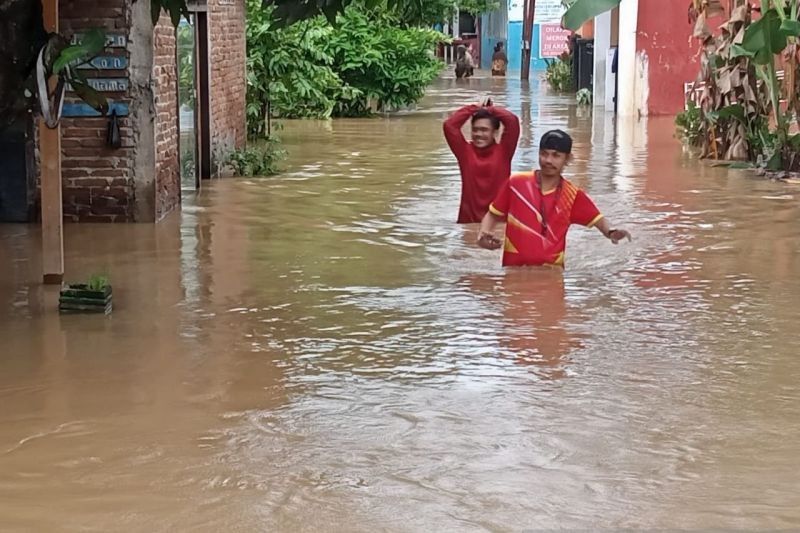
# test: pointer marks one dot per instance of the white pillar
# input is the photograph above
(626, 73)
(602, 44)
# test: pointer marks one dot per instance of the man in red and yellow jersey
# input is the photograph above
(539, 207)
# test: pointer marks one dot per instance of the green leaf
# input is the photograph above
(774, 162)
(732, 111)
(791, 28)
(584, 10)
(764, 39)
(92, 43)
(90, 96)
(67, 56)
(737, 51)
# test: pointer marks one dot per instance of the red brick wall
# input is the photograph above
(165, 78)
(98, 181)
(227, 77)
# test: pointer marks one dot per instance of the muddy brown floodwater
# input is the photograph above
(327, 351)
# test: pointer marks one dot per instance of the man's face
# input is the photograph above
(552, 162)
(482, 133)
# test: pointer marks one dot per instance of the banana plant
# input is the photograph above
(764, 40)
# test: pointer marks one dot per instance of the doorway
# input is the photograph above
(193, 103)
(17, 186)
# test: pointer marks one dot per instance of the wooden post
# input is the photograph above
(50, 157)
(527, 38)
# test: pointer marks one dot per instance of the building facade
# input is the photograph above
(138, 178)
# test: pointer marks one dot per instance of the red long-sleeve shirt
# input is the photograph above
(483, 170)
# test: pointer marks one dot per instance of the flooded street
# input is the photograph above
(326, 350)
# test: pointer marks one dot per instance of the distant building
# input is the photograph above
(505, 24)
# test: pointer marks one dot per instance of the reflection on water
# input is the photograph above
(327, 350)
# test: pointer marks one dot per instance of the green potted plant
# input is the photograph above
(93, 296)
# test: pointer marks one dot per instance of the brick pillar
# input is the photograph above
(228, 87)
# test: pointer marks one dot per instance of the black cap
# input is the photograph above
(557, 140)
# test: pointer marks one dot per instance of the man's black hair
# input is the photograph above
(557, 140)
(485, 113)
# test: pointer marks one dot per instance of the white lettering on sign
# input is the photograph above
(107, 63)
(553, 40)
(106, 85)
(545, 11)
(548, 11)
(112, 40)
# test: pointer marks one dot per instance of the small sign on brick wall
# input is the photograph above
(107, 63)
(113, 40)
(106, 85)
(82, 109)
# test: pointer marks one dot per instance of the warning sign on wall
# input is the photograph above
(546, 11)
(553, 40)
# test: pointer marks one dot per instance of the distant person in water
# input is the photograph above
(539, 208)
(499, 60)
(485, 164)
(465, 66)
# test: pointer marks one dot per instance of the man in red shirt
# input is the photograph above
(485, 164)
(539, 208)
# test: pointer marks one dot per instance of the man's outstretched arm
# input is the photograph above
(486, 237)
(615, 235)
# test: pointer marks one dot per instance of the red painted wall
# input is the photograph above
(664, 33)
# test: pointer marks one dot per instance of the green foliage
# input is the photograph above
(186, 64)
(430, 12)
(188, 159)
(382, 62)
(288, 69)
(762, 39)
(584, 97)
(689, 125)
(774, 34)
(91, 44)
(315, 70)
(559, 73)
(406, 12)
(97, 282)
(259, 160)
